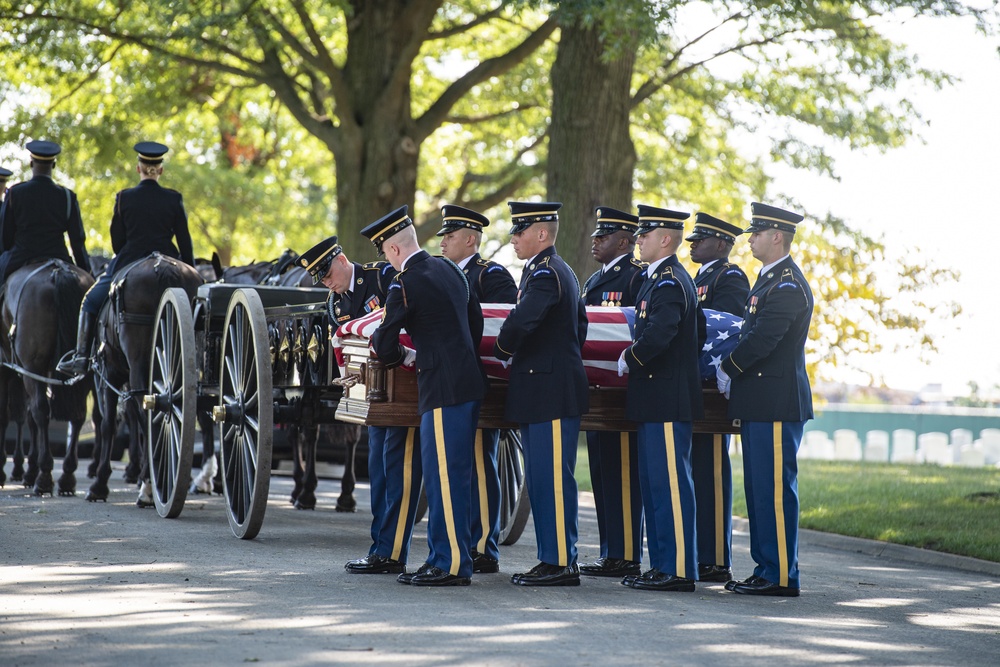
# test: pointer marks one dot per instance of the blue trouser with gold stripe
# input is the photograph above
(394, 469)
(447, 441)
(549, 463)
(614, 475)
(485, 510)
(770, 471)
(668, 497)
(713, 492)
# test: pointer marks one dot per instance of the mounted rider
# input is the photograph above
(38, 214)
(147, 218)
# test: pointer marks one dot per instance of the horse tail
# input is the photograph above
(67, 403)
(69, 291)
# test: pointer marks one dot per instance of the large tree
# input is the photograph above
(719, 89)
(343, 70)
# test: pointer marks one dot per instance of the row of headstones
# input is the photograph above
(905, 446)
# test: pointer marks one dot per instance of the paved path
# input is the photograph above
(110, 584)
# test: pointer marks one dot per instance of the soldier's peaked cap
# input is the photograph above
(523, 214)
(707, 227)
(317, 260)
(611, 220)
(5, 174)
(651, 217)
(386, 226)
(150, 152)
(458, 217)
(43, 150)
(764, 217)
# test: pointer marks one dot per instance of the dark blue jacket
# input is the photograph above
(492, 282)
(371, 282)
(768, 365)
(544, 333)
(38, 216)
(432, 300)
(146, 219)
(664, 384)
(618, 286)
(723, 286)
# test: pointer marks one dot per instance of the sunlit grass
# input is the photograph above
(950, 509)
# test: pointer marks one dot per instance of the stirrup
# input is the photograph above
(72, 365)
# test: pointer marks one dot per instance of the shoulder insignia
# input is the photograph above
(667, 281)
(542, 272)
(482, 262)
(635, 262)
(371, 266)
(734, 272)
(494, 268)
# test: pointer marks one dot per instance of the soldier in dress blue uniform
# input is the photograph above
(431, 298)
(721, 286)
(5, 174)
(461, 234)
(664, 398)
(38, 215)
(394, 463)
(146, 219)
(542, 338)
(765, 380)
(614, 457)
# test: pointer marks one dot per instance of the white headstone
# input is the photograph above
(990, 439)
(816, 445)
(877, 446)
(933, 447)
(904, 446)
(972, 456)
(846, 445)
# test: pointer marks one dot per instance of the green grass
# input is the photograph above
(954, 510)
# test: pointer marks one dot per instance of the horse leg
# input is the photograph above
(298, 467)
(3, 448)
(307, 449)
(137, 440)
(17, 473)
(102, 446)
(346, 501)
(205, 481)
(97, 418)
(38, 408)
(135, 456)
(67, 481)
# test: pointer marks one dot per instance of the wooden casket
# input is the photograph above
(376, 396)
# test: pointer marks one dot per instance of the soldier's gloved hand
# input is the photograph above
(409, 357)
(723, 381)
(622, 366)
(505, 363)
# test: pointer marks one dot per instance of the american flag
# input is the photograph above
(609, 332)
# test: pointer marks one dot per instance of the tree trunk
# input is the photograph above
(591, 156)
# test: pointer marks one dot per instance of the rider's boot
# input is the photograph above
(77, 364)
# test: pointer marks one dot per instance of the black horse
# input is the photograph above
(124, 342)
(38, 326)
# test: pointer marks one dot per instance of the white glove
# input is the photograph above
(505, 363)
(409, 356)
(622, 366)
(723, 381)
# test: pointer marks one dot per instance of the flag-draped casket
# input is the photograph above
(379, 397)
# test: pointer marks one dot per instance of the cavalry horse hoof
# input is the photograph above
(303, 503)
(44, 485)
(67, 492)
(345, 506)
(93, 495)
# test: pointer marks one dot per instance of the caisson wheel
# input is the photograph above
(170, 403)
(245, 413)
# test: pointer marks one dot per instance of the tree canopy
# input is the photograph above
(294, 119)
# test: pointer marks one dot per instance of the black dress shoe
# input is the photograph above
(610, 567)
(654, 580)
(544, 574)
(765, 587)
(484, 564)
(375, 564)
(732, 583)
(429, 575)
(407, 577)
(714, 573)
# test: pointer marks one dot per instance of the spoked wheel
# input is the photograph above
(170, 405)
(514, 504)
(246, 413)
